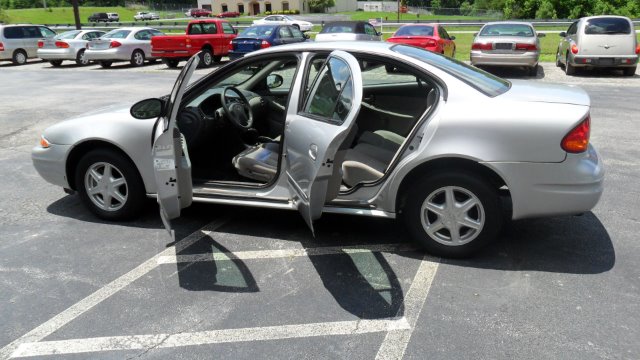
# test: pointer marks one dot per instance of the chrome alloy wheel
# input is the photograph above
(207, 58)
(452, 216)
(106, 186)
(138, 58)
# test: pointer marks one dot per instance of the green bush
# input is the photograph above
(267, 13)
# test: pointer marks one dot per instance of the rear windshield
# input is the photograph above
(507, 30)
(338, 28)
(481, 80)
(67, 35)
(259, 31)
(607, 25)
(117, 34)
(415, 31)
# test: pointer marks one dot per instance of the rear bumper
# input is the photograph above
(609, 61)
(233, 55)
(106, 55)
(528, 59)
(57, 54)
(571, 187)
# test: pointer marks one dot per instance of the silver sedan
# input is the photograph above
(357, 128)
(69, 45)
(507, 43)
(131, 44)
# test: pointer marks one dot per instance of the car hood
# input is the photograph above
(533, 91)
(97, 124)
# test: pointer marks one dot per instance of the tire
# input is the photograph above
(568, 68)
(137, 58)
(423, 199)
(206, 59)
(558, 62)
(533, 71)
(55, 63)
(629, 71)
(217, 58)
(19, 57)
(123, 195)
(81, 60)
(171, 63)
(106, 64)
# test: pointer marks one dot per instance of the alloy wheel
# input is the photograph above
(106, 186)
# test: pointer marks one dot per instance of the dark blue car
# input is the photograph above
(258, 37)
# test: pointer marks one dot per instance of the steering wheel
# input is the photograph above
(237, 108)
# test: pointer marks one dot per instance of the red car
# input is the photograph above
(198, 13)
(432, 37)
(228, 14)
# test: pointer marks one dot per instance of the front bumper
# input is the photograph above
(107, 55)
(50, 163)
(571, 187)
(57, 54)
(528, 59)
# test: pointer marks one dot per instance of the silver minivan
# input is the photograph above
(20, 42)
(599, 42)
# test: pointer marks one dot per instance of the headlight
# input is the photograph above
(44, 142)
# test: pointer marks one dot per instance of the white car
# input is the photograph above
(284, 20)
(141, 16)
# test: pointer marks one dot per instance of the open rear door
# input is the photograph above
(171, 162)
(314, 135)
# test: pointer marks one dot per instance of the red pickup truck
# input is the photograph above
(212, 36)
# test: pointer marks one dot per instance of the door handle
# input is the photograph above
(313, 151)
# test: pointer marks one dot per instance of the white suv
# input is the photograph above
(113, 17)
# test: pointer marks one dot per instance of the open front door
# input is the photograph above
(314, 135)
(171, 162)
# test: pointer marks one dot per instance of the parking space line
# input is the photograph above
(105, 292)
(143, 342)
(395, 342)
(285, 253)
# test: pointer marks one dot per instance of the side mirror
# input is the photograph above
(452, 37)
(562, 34)
(274, 81)
(540, 35)
(147, 109)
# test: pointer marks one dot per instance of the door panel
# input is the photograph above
(314, 136)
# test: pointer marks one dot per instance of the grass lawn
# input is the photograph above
(392, 16)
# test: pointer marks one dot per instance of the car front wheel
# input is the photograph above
(452, 214)
(110, 185)
(137, 58)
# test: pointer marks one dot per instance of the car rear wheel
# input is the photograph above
(452, 214)
(171, 63)
(206, 59)
(568, 68)
(106, 64)
(19, 57)
(81, 59)
(109, 185)
(55, 63)
(630, 71)
(137, 58)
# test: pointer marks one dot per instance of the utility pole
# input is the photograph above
(398, 11)
(76, 14)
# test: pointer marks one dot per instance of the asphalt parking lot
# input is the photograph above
(253, 283)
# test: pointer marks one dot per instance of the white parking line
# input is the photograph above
(141, 342)
(105, 292)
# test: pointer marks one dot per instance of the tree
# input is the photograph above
(321, 5)
(546, 10)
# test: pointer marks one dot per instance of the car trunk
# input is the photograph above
(246, 44)
(607, 45)
(419, 41)
(530, 91)
(49, 43)
(99, 44)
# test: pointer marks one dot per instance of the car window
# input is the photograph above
(227, 28)
(195, 29)
(369, 30)
(418, 30)
(46, 32)
(142, 35)
(607, 26)
(481, 80)
(209, 28)
(284, 33)
(31, 32)
(331, 94)
(443, 33)
(572, 29)
(68, 35)
(297, 34)
(155, 32)
(523, 30)
(257, 31)
(13, 32)
(117, 34)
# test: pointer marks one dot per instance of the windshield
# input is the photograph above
(507, 30)
(116, 34)
(67, 35)
(258, 31)
(607, 25)
(481, 80)
(415, 31)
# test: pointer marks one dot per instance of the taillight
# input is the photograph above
(577, 140)
(62, 44)
(40, 44)
(230, 45)
(187, 41)
(481, 46)
(1, 46)
(114, 44)
(431, 43)
(526, 47)
(637, 48)
(574, 48)
(264, 44)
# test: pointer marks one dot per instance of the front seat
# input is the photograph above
(259, 162)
